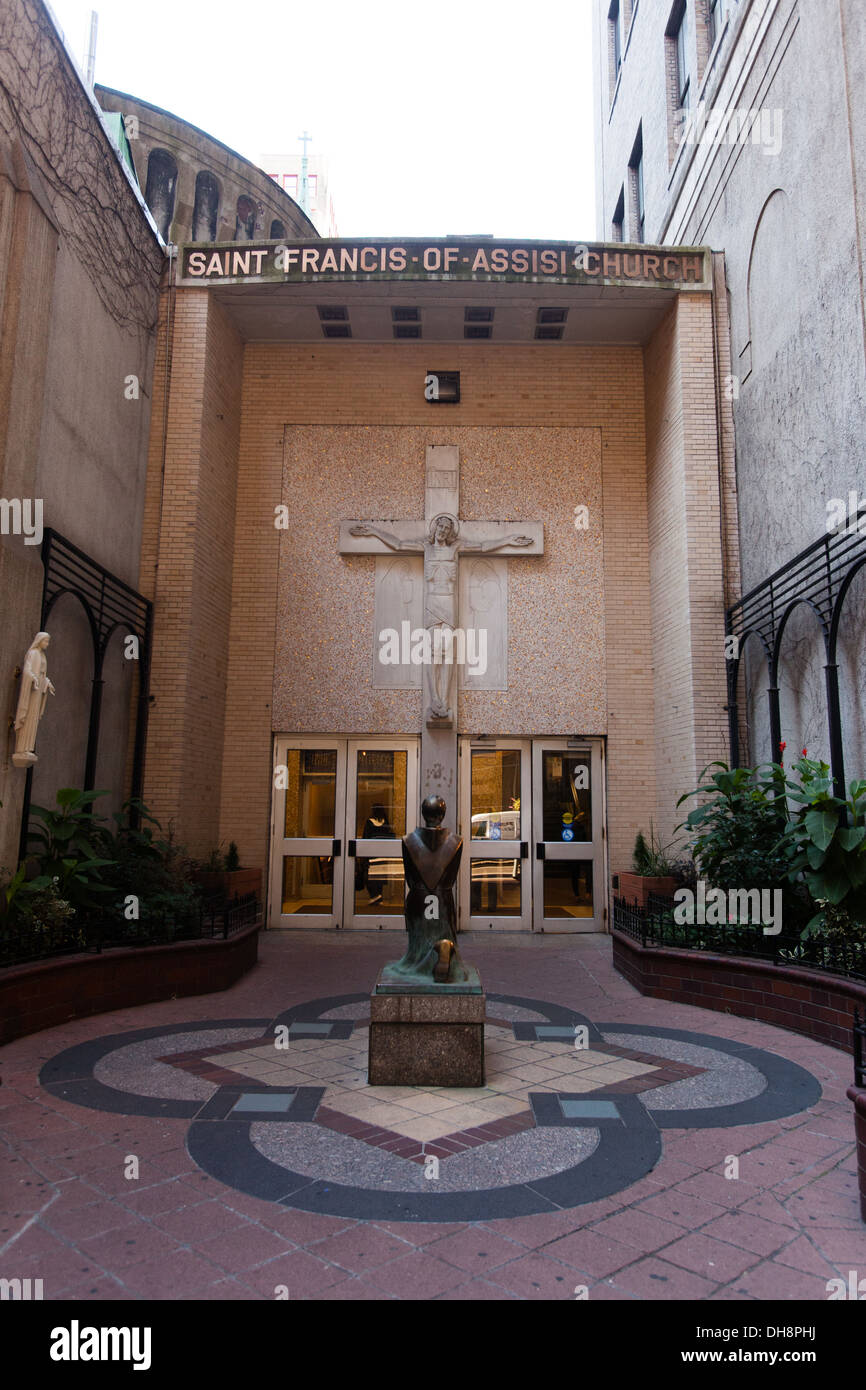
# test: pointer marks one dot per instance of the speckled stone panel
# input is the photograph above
(426, 1054)
(556, 651)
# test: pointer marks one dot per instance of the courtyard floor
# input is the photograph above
(228, 1147)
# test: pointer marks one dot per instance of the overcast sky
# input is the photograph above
(436, 119)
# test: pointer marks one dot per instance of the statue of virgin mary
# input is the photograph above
(35, 689)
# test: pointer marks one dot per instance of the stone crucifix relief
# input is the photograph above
(441, 538)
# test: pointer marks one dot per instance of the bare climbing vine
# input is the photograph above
(42, 104)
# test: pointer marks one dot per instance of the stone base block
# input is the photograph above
(426, 1039)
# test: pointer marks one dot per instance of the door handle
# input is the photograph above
(336, 848)
(524, 849)
(350, 848)
(539, 851)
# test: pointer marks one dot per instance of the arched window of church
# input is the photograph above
(205, 213)
(161, 188)
(245, 227)
(278, 230)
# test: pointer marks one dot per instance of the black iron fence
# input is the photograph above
(859, 1035)
(207, 918)
(657, 926)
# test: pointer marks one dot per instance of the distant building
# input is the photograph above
(741, 124)
(195, 186)
(286, 171)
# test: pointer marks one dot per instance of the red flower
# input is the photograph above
(782, 747)
(805, 751)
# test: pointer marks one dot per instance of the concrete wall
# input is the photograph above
(79, 303)
(788, 210)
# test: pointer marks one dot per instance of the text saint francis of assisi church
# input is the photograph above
(451, 517)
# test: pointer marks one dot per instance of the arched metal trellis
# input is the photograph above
(819, 577)
(109, 605)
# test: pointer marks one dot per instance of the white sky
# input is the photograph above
(436, 119)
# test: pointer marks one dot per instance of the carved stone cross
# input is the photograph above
(441, 538)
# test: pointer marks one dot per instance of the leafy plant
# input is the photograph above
(151, 868)
(232, 860)
(67, 849)
(651, 860)
(825, 840)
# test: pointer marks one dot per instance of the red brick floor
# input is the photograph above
(75, 1220)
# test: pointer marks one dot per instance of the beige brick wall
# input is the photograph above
(287, 385)
(191, 509)
(685, 552)
(209, 759)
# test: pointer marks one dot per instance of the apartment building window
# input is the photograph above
(615, 28)
(716, 16)
(618, 222)
(638, 205)
(677, 35)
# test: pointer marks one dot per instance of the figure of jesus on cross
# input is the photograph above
(441, 538)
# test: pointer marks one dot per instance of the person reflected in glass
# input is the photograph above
(376, 827)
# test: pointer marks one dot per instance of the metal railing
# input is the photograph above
(209, 918)
(656, 926)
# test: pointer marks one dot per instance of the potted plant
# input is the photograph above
(222, 874)
(652, 871)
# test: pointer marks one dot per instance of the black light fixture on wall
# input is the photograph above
(442, 388)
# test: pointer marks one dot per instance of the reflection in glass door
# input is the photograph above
(494, 822)
(568, 864)
(309, 806)
(381, 800)
(341, 807)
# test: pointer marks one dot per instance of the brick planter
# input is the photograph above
(805, 1001)
(236, 884)
(636, 888)
(857, 1096)
(46, 993)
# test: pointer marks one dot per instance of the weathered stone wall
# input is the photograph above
(78, 297)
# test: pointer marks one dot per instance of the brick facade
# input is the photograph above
(211, 554)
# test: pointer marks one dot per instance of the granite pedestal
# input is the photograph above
(428, 1036)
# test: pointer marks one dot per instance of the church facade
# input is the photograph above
(451, 517)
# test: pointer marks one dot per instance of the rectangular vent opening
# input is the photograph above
(407, 330)
(336, 330)
(477, 315)
(550, 334)
(333, 313)
(477, 330)
(552, 315)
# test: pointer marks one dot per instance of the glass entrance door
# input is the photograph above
(567, 834)
(495, 891)
(308, 840)
(340, 809)
(381, 806)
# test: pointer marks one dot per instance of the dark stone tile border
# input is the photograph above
(790, 1088)
(301, 1111)
(69, 1075)
(628, 1147)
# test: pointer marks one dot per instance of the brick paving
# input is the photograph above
(76, 1217)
